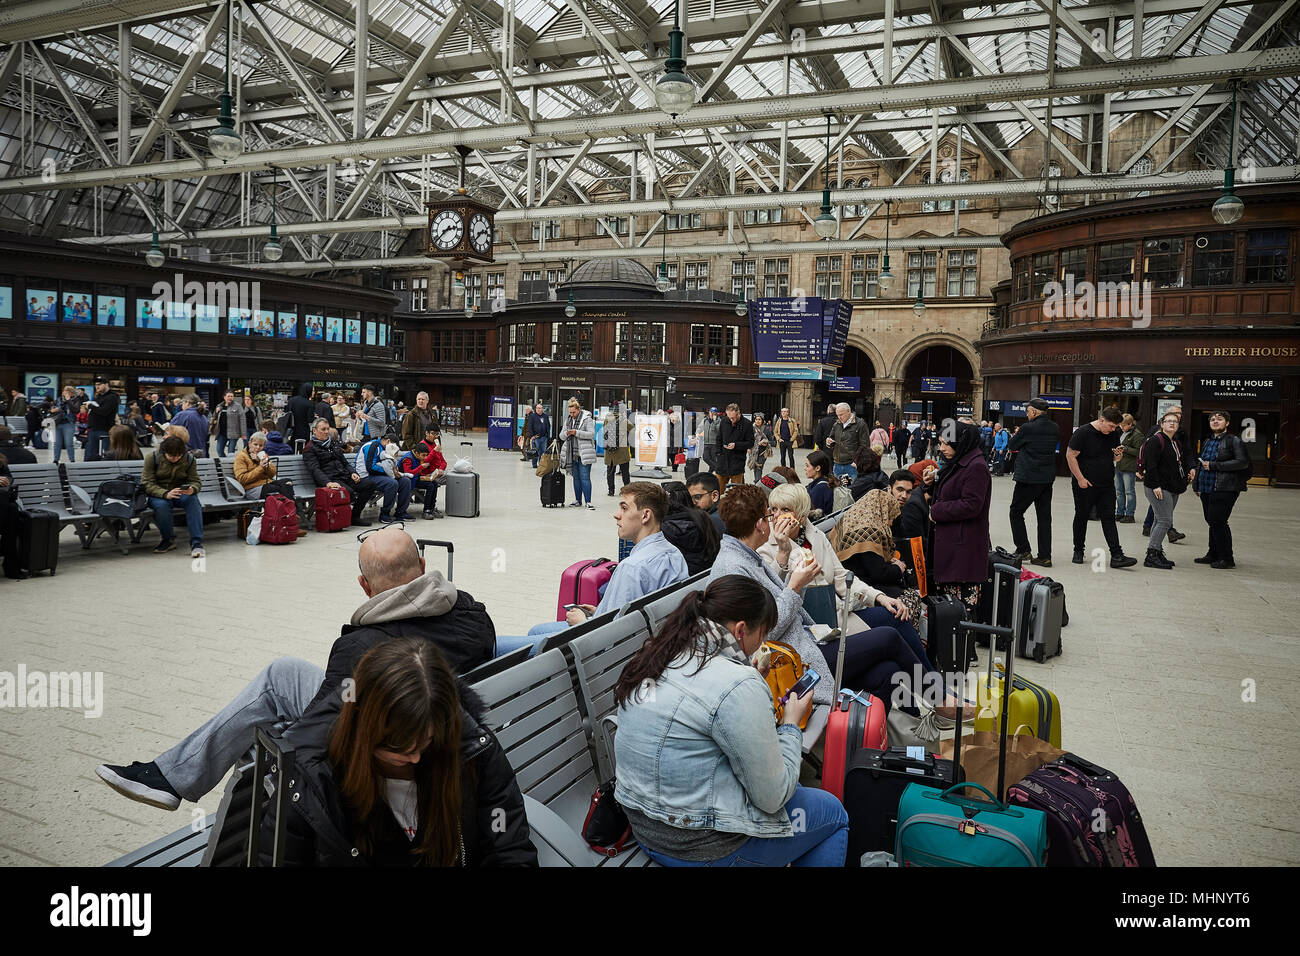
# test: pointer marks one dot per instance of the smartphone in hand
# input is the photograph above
(804, 685)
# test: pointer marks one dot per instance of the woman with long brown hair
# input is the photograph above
(122, 445)
(409, 776)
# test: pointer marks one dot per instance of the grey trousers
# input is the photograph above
(280, 693)
(1163, 511)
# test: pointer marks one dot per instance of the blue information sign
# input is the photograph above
(938, 385)
(850, 384)
(813, 373)
(1058, 401)
(799, 331)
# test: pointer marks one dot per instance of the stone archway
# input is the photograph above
(859, 341)
(919, 344)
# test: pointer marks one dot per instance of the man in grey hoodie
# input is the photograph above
(403, 601)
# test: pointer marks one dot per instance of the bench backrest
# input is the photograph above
(293, 468)
(669, 600)
(39, 486)
(533, 710)
(17, 424)
(598, 660)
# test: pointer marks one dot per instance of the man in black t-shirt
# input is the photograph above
(1093, 451)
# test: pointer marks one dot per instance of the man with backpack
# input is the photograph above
(171, 480)
(377, 461)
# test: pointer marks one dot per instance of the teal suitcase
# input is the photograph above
(946, 829)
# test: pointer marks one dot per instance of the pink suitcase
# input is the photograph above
(581, 583)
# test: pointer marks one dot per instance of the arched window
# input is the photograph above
(927, 205)
(849, 210)
(965, 177)
(945, 205)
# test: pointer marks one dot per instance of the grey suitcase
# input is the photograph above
(462, 492)
(1040, 607)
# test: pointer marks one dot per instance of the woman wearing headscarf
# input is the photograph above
(959, 509)
(864, 543)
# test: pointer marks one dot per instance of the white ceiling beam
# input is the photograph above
(300, 78)
(760, 26)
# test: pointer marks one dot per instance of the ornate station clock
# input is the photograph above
(460, 230)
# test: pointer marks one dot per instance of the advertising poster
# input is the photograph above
(313, 327)
(148, 314)
(383, 334)
(333, 329)
(6, 302)
(652, 440)
(354, 332)
(207, 319)
(77, 307)
(39, 386)
(179, 317)
(42, 305)
(110, 310)
(240, 322)
(264, 323)
(288, 325)
(371, 333)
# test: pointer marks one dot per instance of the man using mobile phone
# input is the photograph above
(171, 480)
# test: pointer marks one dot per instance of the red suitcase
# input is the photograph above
(581, 583)
(333, 509)
(857, 720)
(279, 520)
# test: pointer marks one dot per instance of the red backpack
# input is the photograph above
(279, 521)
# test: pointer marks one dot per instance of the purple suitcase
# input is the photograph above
(1092, 819)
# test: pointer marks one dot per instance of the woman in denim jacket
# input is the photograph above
(706, 775)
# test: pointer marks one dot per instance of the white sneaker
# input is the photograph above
(590, 506)
(196, 552)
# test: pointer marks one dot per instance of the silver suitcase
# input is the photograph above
(1040, 614)
(462, 492)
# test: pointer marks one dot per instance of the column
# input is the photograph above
(798, 398)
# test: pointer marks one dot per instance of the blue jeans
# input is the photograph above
(821, 837)
(162, 516)
(537, 445)
(65, 437)
(507, 644)
(582, 483)
(1125, 493)
(393, 488)
(842, 470)
(96, 442)
(227, 446)
(881, 617)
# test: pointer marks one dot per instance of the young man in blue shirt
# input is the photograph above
(653, 564)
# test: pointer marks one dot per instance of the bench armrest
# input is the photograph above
(556, 842)
(85, 504)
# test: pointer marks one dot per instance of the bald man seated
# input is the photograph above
(403, 600)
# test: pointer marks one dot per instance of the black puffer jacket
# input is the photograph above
(326, 463)
(494, 828)
(1231, 466)
(1037, 442)
(731, 461)
(869, 481)
(693, 533)
(303, 410)
(1162, 466)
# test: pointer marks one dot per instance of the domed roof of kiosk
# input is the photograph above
(613, 274)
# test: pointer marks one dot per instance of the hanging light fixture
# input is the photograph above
(918, 307)
(570, 310)
(885, 280)
(662, 284)
(675, 92)
(1227, 209)
(223, 142)
(742, 307)
(826, 225)
(155, 256)
(271, 249)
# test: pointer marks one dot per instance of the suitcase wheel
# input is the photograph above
(1040, 653)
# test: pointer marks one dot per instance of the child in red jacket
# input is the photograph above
(426, 468)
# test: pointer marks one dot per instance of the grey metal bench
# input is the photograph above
(293, 468)
(185, 847)
(18, 427)
(84, 478)
(43, 486)
(211, 496)
(659, 605)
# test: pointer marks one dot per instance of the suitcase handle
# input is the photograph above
(451, 550)
(951, 797)
(844, 638)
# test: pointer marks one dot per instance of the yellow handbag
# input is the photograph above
(785, 667)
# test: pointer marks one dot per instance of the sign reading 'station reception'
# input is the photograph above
(799, 338)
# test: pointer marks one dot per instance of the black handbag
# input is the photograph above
(606, 829)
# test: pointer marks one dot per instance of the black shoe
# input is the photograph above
(361, 522)
(1146, 530)
(142, 782)
(1224, 565)
(1122, 561)
(1041, 562)
(1024, 555)
(1128, 519)
(1175, 536)
(1155, 559)
(1078, 557)
(1205, 559)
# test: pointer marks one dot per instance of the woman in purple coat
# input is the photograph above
(960, 511)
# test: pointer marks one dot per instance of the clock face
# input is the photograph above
(480, 233)
(446, 230)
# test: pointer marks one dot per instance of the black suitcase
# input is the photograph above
(1006, 600)
(35, 547)
(943, 613)
(553, 489)
(873, 784)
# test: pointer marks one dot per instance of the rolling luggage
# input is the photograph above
(1040, 605)
(462, 492)
(943, 613)
(874, 784)
(1032, 705)
(553, 490)
(856, 721)
(422, 543)
(1092, 819)
(280, 520)
(31, 542)
(333, 509)
(1005, 585)
(581, 583)
(945, 828)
